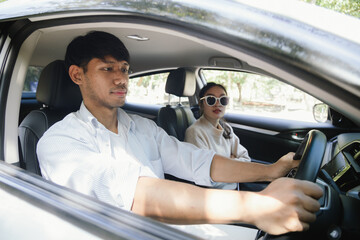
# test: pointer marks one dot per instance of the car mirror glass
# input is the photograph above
(321, 112)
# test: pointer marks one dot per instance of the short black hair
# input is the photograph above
(95, 44)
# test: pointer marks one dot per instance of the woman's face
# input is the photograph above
(215, 112)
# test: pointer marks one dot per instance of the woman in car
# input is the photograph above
(210, 131)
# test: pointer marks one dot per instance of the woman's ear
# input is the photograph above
(75, 74)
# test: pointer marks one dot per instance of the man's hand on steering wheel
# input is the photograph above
(283, 166)
(310, 153)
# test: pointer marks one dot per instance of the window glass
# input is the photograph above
(32, 79)
(260, 95)
(150, 89)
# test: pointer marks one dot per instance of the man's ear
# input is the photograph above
(75, 74)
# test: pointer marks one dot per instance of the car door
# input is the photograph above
(270, 117)
(5, 51)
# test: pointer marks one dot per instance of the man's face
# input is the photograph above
(105, 83)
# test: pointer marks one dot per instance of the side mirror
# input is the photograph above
(321, 112)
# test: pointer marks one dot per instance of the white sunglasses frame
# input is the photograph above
(216, 99)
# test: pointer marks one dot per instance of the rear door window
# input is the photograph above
(260, 95)
(32, 79)
(150, 89)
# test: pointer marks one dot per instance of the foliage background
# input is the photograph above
(349, 7)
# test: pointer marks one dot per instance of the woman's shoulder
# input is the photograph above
(197, 129)
(197, 125)
(193, 127)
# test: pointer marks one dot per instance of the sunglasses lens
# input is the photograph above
(224, 101)
(210, 100)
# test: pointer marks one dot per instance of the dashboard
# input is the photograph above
(343, 165)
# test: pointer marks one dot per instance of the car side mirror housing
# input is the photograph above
(321, 112)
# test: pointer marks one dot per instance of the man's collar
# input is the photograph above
(86, 116)
(123, 118)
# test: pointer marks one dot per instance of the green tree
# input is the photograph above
(239, 79)
(227, 78)
(349, 7)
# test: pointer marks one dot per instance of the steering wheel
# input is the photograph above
(310, 152)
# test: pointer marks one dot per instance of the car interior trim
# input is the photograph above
(254, 129)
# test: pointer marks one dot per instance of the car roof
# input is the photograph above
(251, 25)
(195, 34)
(321, 18)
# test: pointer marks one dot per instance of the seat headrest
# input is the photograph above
(56, 89)
(181, 82)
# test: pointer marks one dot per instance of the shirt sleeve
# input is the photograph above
(74, 160)
(184, 160)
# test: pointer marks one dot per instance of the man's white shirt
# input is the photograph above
(80, 153)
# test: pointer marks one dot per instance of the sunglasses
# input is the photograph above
(211, 100)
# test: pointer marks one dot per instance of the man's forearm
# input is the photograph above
(282, 207)
(180, 203)
(228, 170)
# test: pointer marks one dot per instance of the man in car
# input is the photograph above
(121, 159)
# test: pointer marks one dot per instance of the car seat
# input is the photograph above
(176, 119)
(59, 96)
